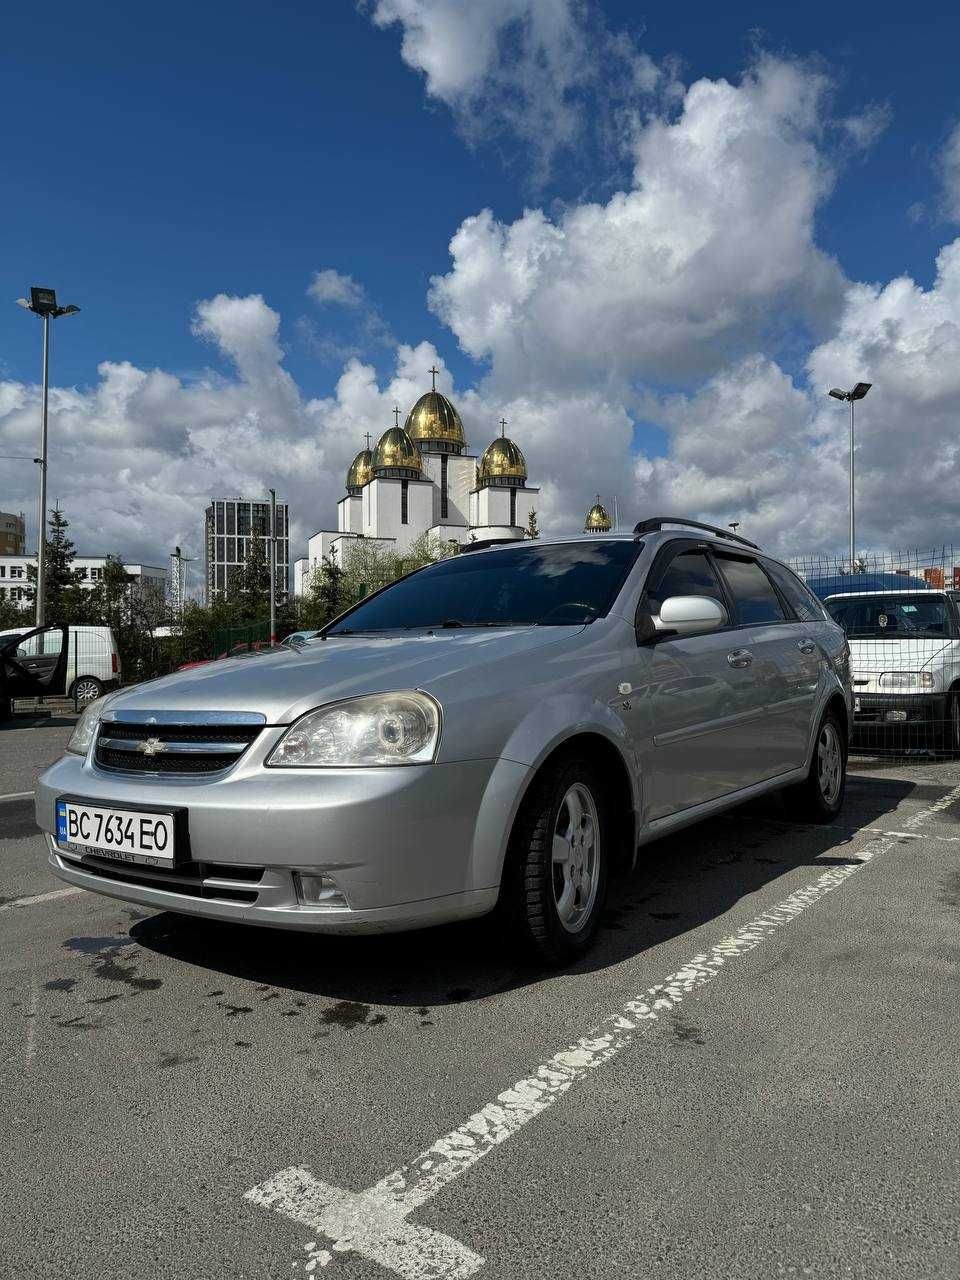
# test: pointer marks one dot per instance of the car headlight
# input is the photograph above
(379, 728)
(86, 726)
(907, 680)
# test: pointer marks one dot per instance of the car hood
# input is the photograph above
(284, 685)
(905, 653)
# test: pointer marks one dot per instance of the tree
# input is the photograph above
(325, 594)
(65, 599)
(250, 589)
(533, 528)
(370, 564)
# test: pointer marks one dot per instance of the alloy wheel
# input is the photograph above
(576, 858)
(829, 763)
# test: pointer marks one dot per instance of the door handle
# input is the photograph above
(806, 646)
(739, 657)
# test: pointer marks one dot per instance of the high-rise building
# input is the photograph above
(231, 524)
(13, 534)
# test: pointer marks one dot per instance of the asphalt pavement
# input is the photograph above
(754, 1074)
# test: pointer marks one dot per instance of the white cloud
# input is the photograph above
(330, 286)
(673, 278)
(521, 68)
(864, 129)
(950, 174)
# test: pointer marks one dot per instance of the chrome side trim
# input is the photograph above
(168, 718)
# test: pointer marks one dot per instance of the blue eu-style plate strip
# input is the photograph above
(61, 820)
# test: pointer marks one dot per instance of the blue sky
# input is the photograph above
(156, 158)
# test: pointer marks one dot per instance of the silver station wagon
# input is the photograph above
(496, 732)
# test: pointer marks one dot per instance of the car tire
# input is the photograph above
(86, 689)
(555, 879)
(819, 798)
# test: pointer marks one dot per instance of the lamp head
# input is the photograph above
(838, 394)
(860, 390)
(43, 301)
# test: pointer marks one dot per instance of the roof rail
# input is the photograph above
(655, 523)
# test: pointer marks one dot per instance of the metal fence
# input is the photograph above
(900, 613)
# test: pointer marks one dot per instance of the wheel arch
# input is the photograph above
(599, 750)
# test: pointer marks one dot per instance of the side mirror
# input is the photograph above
(689, 616)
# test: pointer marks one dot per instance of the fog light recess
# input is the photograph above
(896, 716)
(319, 893)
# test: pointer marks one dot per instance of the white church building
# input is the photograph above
(421, 479)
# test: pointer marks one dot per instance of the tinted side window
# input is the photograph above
(801, 599)
(688, 574)
(753, 595)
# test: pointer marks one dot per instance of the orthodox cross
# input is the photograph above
(367, 438)
(396, 414)
(503, 426)
(433, 374)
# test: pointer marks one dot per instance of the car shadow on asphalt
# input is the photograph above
(679, 884)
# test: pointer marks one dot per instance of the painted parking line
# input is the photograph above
(17, 795)
(374, 1223)
(37, 898)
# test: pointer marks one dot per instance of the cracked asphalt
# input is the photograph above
(797, 1116)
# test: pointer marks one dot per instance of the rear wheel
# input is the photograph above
(555, 881)
(950, 736)
(86, 689)
(819, 798)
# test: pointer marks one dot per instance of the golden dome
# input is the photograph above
(502, 464)
(396, 451)
(361, 470)
(598, 519)
(433, 417)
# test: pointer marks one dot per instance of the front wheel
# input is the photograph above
(819, 798)
(555, 880)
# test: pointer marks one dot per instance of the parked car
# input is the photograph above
(905, 662)
(497, 731)
(93, 659)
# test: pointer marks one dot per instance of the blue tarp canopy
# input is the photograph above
(842, 584)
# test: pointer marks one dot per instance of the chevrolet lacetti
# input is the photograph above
(499, 731)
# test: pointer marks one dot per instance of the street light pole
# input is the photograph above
(42, 462)
(273, 566)
(858, 392)
(43, 303)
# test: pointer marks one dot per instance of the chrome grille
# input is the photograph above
(174, 742)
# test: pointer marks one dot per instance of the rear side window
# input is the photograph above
(800, 598)
(753, 595)
(688, 574)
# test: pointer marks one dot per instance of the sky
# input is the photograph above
(651, 238)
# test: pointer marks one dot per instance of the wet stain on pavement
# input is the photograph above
(346, 1013)
(234, 1010)
(103, 999)
(685, 1032)
(111, 970)
(93, 946)
(60, 984)
(176, 1059)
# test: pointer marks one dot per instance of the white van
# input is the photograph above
(904, 660)
(93, 660)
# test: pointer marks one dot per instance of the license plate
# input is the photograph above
(126, 835)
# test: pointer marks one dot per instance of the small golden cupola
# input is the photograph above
(598, 519)
(396, 457)
(361, 470)
(502, 464)
(433, 424)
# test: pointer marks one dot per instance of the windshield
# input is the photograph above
(891, 617)
(561, 585)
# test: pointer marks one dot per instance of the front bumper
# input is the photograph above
(405, 846)
(880, 709)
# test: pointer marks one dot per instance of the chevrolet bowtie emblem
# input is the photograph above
(151, 747)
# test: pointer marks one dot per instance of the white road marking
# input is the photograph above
(17, 795)
(373, 1223)
(40, 897)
